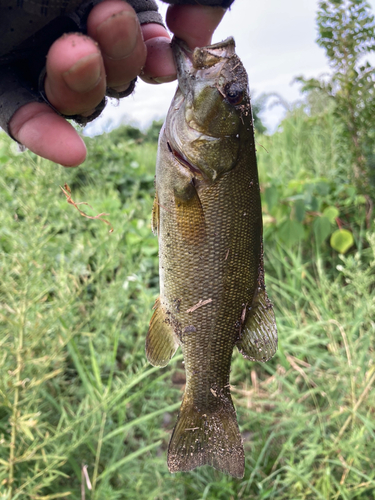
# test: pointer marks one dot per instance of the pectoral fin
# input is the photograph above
(258, 341)
(161, 341)
(190, 215)
(155, 215)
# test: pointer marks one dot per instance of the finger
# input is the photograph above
(114, 25)
(159, 66)
(47, 134)
(195, 24)
(75, 81)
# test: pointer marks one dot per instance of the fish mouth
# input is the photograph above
(181, 158)
(190, 62)
(183, 57)
(182, 46)
(201, 58)
(181, 49)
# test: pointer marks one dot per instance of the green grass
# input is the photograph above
(75, 301)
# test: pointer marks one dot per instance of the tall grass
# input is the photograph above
(82, 415)
(304, 146)
(75, 388)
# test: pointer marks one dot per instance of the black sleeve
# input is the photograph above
(29, 27)
(28, 30)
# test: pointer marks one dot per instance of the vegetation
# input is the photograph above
(83, 416)
(346, 30)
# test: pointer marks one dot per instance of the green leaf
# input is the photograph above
(308, 190)
(291, 232)
(299, 210)
(314, 204)
(322, 229)
(360, 200)
(342, 240)
(271, 197)
(322, 188)
(331, 213)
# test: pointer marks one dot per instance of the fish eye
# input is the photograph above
(234, 96)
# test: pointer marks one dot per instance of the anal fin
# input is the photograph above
(161, 341)
(258, 341)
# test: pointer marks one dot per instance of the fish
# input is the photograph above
(208, 219)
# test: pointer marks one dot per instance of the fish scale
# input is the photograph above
(207, 215)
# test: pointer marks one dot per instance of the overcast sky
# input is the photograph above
(275, 40)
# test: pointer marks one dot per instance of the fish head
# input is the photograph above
(209, 114)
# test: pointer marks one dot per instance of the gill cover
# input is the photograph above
(212, 97)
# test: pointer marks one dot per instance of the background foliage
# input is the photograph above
(82, 415)
(346, 31)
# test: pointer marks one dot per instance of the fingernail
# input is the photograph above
(165, 79)
(84, 75)
(121, 88)
(118, 35)
(86, 114)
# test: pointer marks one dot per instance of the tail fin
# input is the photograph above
(212, 438)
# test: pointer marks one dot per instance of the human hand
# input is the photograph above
(116, 50)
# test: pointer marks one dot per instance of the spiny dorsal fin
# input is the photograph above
(258, 341)
(161, 341)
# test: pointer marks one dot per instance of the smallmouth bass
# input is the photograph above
(207, 215)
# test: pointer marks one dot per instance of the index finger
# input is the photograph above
(195, 24)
